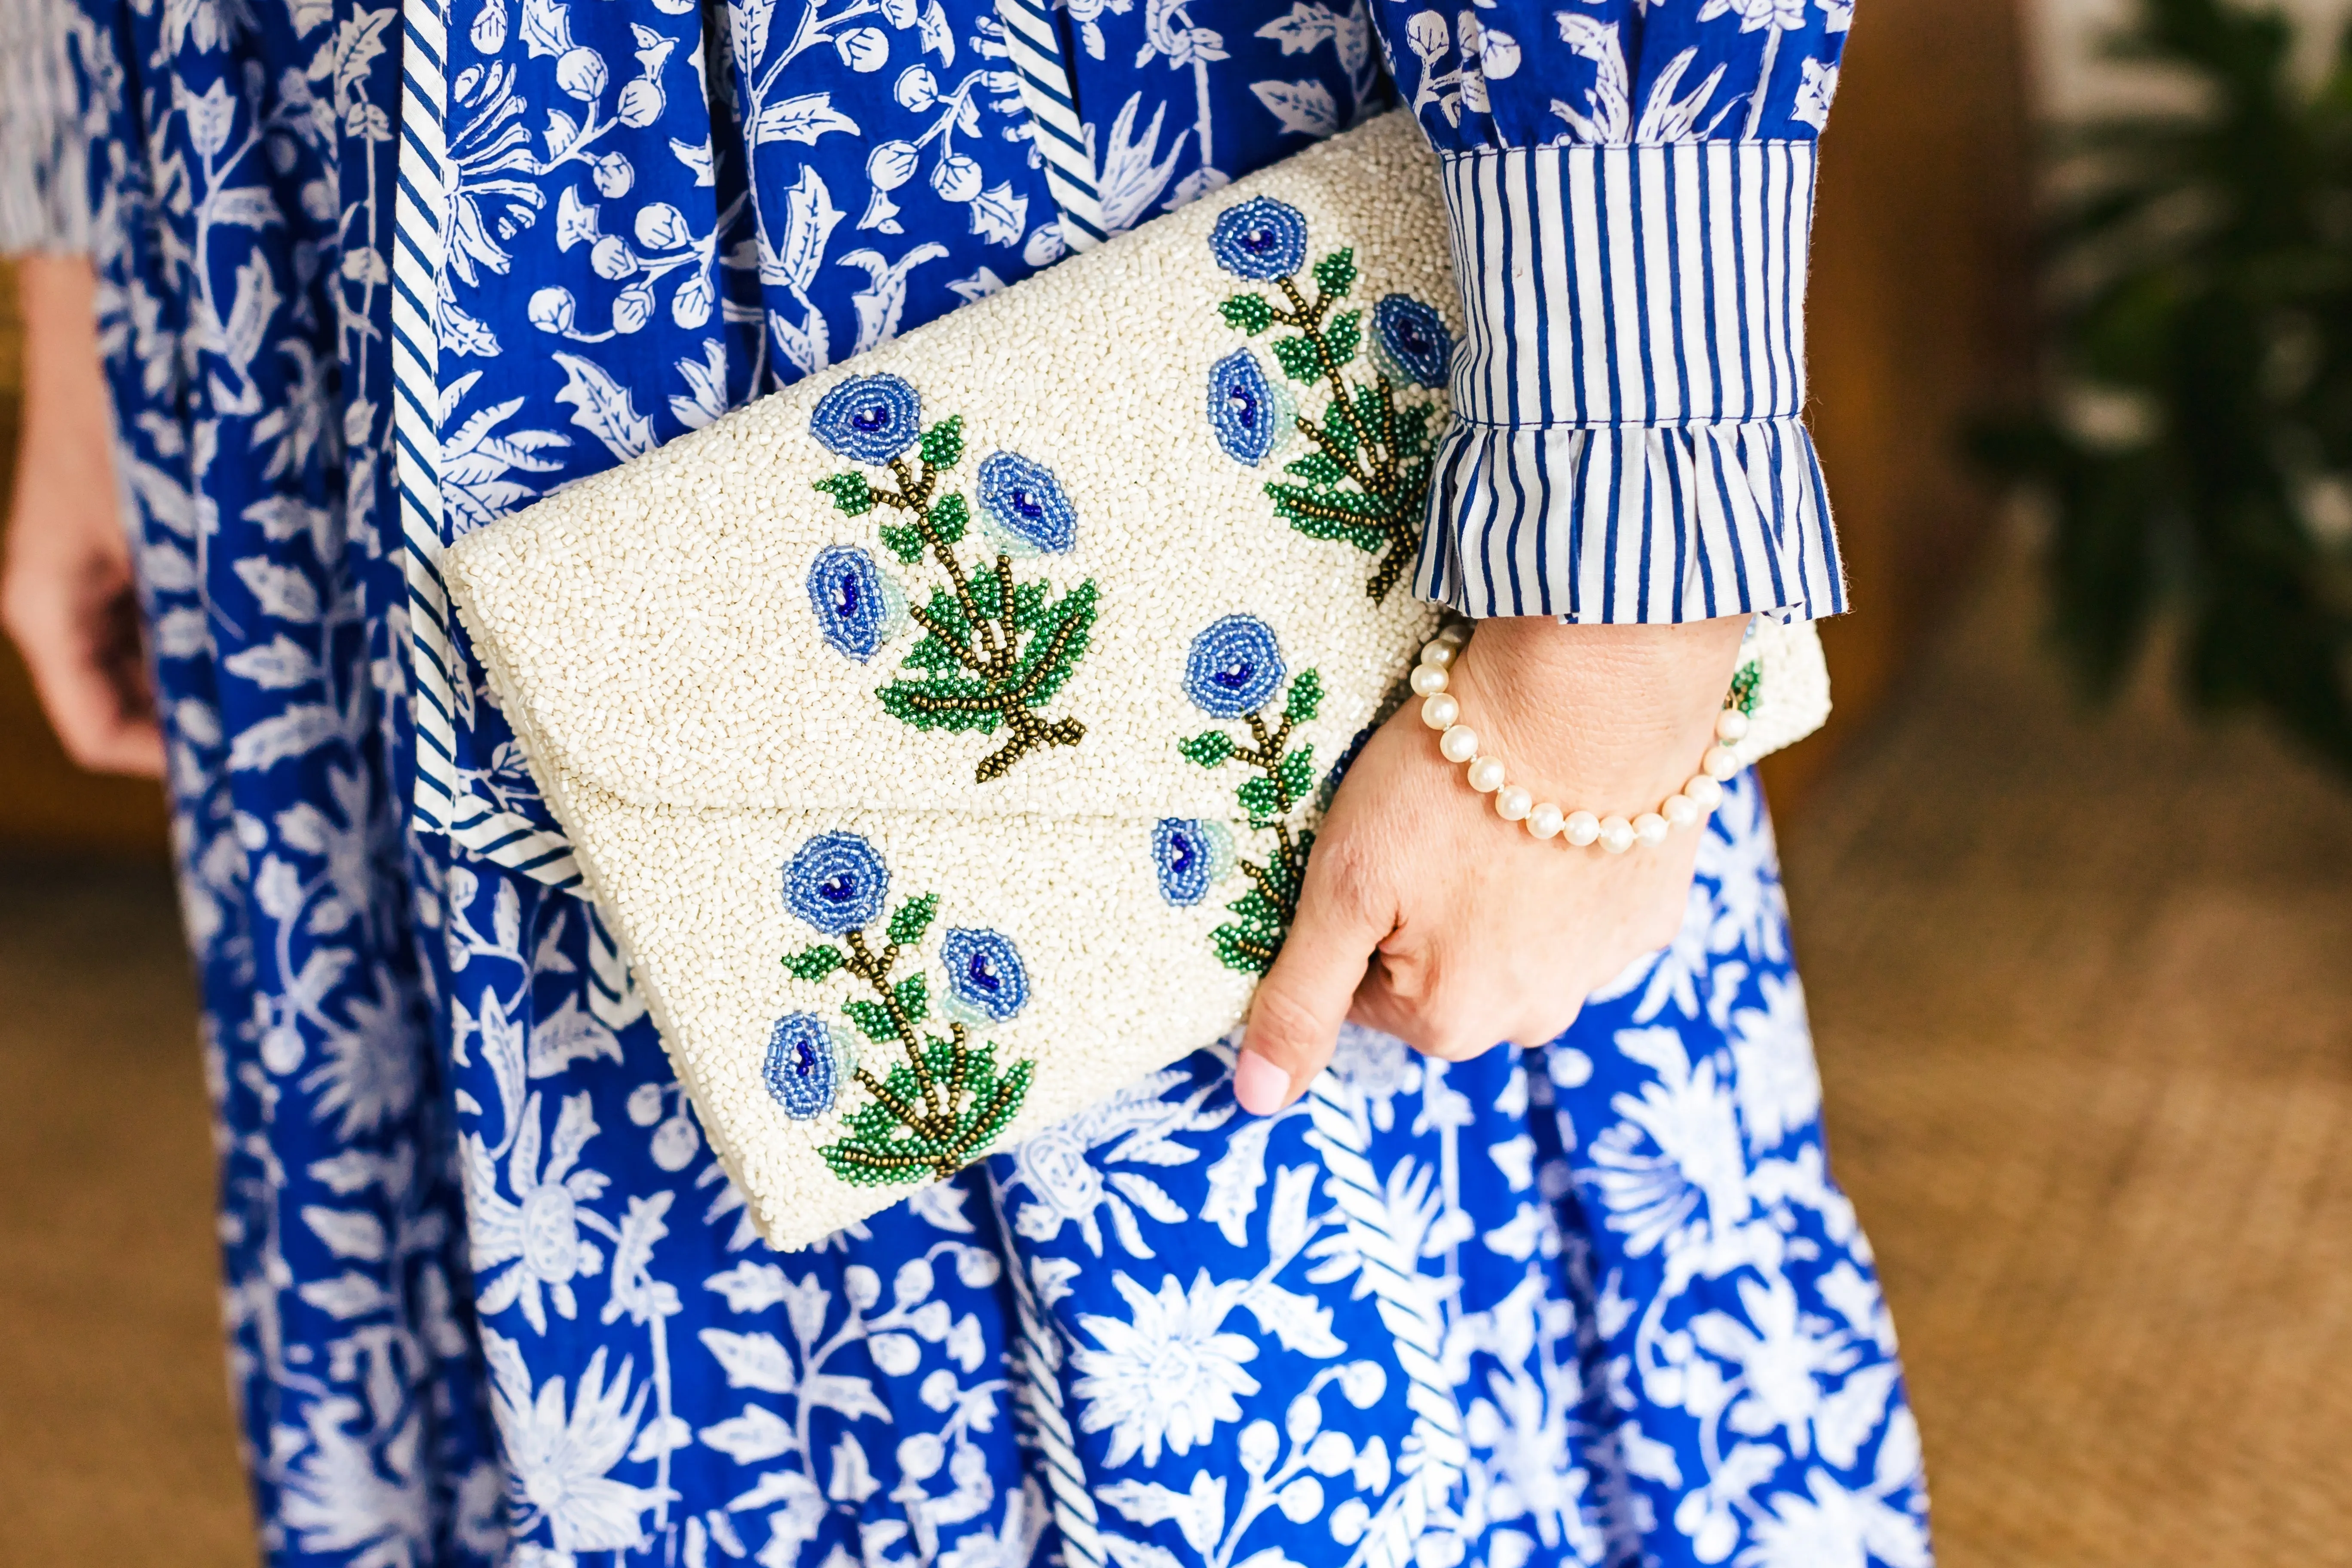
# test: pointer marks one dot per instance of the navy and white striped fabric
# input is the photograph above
(1627, 445)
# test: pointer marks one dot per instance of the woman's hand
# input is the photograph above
(1428, 916)
(66, 594)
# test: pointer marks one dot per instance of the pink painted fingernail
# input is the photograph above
(1259, 1085)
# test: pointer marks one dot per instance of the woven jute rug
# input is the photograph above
(2083, 991)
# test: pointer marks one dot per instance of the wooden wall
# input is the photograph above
(1919, 306)
(1920, 311)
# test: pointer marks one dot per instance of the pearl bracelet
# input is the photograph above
(1457, 742)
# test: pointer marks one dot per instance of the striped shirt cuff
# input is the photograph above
(1626, 444)
(44, 194)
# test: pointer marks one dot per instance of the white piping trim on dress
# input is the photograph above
(1034, 45)
(442, 803)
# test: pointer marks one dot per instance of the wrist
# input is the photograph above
(1614, 716)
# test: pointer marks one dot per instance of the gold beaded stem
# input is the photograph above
(1441, 710)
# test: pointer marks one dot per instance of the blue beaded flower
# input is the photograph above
(870, 418)
(1244, 409)
(1025, 505)
(1234, 667)
(1413, 336)
(858, 605)
(837, 883)
(1261, 239)
(986, 981)
(803, 1068)
(1189, 856)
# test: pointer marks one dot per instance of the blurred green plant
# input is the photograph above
(2196, 440)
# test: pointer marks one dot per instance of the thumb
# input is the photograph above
(1295, 1019)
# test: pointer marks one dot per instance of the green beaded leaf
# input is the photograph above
(950, 702)
(1412, 436)
(1305, 697)
(1338, 433)
(815, 963)
(987, 595)
(874, 1018)
(903, 541)
(1747, 688)
(1336, 273)
(1297, 357)
(914, 996)
(1316, 468)
(1246, 949)
(850, 492)
(1262, 801)
(1344, 336)
(912, 918)
(944, 443)
(1297, 772)
(948, 515)
(1051, 655)
(1209, 750)
(1331, 514)
(1249, 312)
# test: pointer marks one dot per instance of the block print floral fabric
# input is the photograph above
(489, 1296)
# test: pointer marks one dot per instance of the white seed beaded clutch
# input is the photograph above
(944, 737)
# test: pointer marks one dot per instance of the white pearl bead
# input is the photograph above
(1487, 776)
(1719, 763)
(1438, 654)
(1704, 793)
(1680, 810)
(1456, 632)
(1580, 829)
(1651, 828)
(1429, 680)
(1458, 745)
(1512, 803)
(1616, 834)
(1440, 711)
(1545, 819)
(1731, 724)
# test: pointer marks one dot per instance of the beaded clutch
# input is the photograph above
(944, 736)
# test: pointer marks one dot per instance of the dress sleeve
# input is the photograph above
(44, 151)
(1631, 187)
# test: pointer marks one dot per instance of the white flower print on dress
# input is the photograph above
(558, 1457)
(1673, 1172)
(1784, 1365)
(535, 1237)
(1828, 1526)
(1779, 1087)
(1167, 1376)
(1816, 91)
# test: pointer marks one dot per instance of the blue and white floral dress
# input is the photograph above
(489, 1297)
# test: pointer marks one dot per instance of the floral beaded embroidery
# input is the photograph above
(994, 650)
(943, 1100)
(1234, 670)
(1366, 481)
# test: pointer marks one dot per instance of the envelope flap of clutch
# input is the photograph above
(1095, 545)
